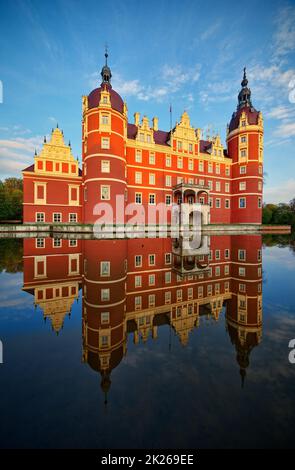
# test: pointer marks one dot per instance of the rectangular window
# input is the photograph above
(138, 177)
(56, 242)
(226, 253)
(167, 258)
(243, 139)
(72, 217)
(40, 217)
(152, 178)
(168, 200)
(227, 171)
(242, 170)
(242, 185)
(138, 198)
(179, 162)
(105, 166)
(217, 168)
(73, 242)
(259, 186)
(242, 271)
(40, 242)
(105, 317)
(217, 203)
(105, 295)
(200, 291)
(56, 217)
(190, 148)
(152, 159)
(259, 203)
(137, 281)
(227, 187)
(138, 156)
(179, 295)
(138, 261)
(168, 180)
(105, 143)
(105, 193)
(190, 164)
(105, 268)
(137, 302)
(227, 203)
(168, 160)
(226, 269)
(210, 168)
(152, 280)
(152, 199)
(105, 119)
(217, 186)
(190, 293)
(242, 255)
(167, 277)
(152, 260)
(201, 165)
(242, 202)
(152, 300)
(179, 146)
(167, 297)
(243, 153)
(217, 254)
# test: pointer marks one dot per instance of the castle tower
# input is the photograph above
(104, 296)
(245, 147)
(104, 130)
(244, 309)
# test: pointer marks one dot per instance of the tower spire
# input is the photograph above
(106, 73)
(244, 98)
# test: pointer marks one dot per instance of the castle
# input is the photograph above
(148, 169)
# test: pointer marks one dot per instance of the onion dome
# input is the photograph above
(94, 97)
(244, 106)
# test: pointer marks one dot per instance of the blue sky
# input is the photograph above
(189, 53)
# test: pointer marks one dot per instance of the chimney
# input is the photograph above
(136, 119)
(155, 123)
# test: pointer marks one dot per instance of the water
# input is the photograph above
(92, 359)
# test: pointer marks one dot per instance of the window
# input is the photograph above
(85, 194)
(227, 187)
(201, 200)
(152, 260)
(226, 269)
(104, 341)
(243, 123)
(152, 280)
(137, 302)
(201, 166)
(168, 180)
(242, 287)
(40, 217)
(243, 153)
(105, 100)
(190, 164)
(242, 271)
(138, 198)
(242, 202)
(190, 293)
(210, 202)
(105, 119)
(242, 186)
(152, 199)
(217, 186)
(105, 143)
(260, 169)
(217, 168)
(152, 178)
(168, 200)
(138, 156)
(217, 270)
(137, 281)
(73, 217)
(167, 258)
(227, 204)
(167, 297)
(210, 168)
(40, 242)
(105, 317)
(243, 139)
(217, 203)
(179, 295)
(105, 295)
(226, 253)
(105, 268)
(179, 146)
(259, 203)
(217, 254)
(73, 242)
(138, 177)
(201, 182)
(210, 184)
(259, 186)
(168, 160)
(105, 166)
(56, 242)
(56, 217)
(141, 137)
(241, 255)
(227, 171)
(152, 300)
(152, 159)
(148, 138)
(242, 170)
(105, 193)
(200, 291)
(138, 261)
(167, 277)
(179, 162)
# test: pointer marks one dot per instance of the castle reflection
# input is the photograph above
(135, 286)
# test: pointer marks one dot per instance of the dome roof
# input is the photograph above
(251, 113)
(116, 100)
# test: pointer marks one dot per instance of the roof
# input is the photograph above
(116, 100)
(252, 116)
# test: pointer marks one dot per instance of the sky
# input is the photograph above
(190, 54)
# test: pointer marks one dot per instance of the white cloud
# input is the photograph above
(284, 37)
(286, 129)
(281, 112)
(17, 153)
(283, 192)
(209, 32)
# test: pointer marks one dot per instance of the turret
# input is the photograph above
(245, 147)
(104, 127)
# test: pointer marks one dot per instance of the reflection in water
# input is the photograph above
(135, 286)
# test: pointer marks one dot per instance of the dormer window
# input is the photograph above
(105, 100)
(243, 123)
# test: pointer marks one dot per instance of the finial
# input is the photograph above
(57, 125)
(35, 152)
(45, 139)
(69, 143)
(244, 82)
(106, 73)
(106, 54)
